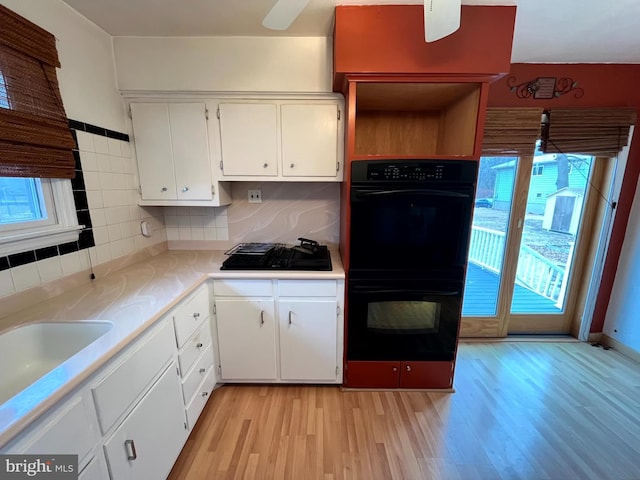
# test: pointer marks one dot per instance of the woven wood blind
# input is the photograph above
(594, 131)
(35, 140)
(511, 131)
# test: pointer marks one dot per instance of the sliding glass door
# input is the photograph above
(531, 228)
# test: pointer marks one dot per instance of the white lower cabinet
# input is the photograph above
(148, 441)
(279, 330)
(246, 338)
(308, 332)
(132, 417)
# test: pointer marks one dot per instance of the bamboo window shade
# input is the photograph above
(511, 131)
(35, 139)
(590, 131)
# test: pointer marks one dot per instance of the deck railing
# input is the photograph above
(535, 272)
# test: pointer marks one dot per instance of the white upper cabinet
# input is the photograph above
(173, 155)
(281, 140)
(309, 140)
(248, 133)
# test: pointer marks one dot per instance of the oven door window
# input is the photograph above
(409, 229)
(403, 318)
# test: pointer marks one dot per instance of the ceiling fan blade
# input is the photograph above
(283, 13)
(441, 18)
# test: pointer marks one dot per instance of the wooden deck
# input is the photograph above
(481, 296)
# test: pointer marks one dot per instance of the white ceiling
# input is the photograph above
(547, 31)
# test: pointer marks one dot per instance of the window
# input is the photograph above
(537, 170)
(37, 208)
(35, 213)
(4, 98)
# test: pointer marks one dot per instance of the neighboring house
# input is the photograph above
(544, 180)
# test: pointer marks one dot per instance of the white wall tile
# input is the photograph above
(88, 161)
(125, 149)
(70, 263)
(6, 283)
(101, 235)
(91, 181)
(184, 233)
(222, 221)
(25, 276)
(49, 269)
(85, 141)
(114, 146)
(103, 254)
(196, 221)
(210, 233)
(95, 199)
(173, 233)
(117, 249)
(115, 232)
(197, 234)
(101, 143)
(222, 233)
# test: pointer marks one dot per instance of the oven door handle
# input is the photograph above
(445, 293)
(426, 193)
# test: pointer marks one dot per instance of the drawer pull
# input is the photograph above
(204, 394)
(408, 368)
(202, 370)
(261, 317)
(290, 313)
(130, 446)
(265, 165)
(185, 189)
(196, 315)
(199, 344)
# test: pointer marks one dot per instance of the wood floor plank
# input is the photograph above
(520, 411)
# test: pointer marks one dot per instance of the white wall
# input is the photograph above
(622, 322)
(87, 76)
(224, 64)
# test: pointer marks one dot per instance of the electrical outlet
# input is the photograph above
(255, 196)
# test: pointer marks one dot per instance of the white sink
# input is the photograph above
(29, 352)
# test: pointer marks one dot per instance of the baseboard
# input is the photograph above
(522, 338)
(620, 347)
(595, 337)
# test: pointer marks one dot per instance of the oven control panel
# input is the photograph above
(413, 171)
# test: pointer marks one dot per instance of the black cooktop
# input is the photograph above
(306, 256)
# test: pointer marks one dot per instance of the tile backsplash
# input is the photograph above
(105, 195)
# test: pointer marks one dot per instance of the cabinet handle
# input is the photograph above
(265, 165)
(261, 317)
(185, 189)
(199, 345)
(196, 315)
(204, 394)
(163, 189)
(293, 165)
(290, 313)
(408, 368)
(202, 370)
(131, 449)
(395, 369)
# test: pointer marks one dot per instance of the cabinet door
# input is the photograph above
(190, 151)
(246, 338)
(372, 374)
(152, 137)
(149, 440)
(426, 374)
(308, 339)
(248, 136)
(309, 140)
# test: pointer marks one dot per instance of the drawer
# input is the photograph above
(200, 398)
(194, 377)
(190, 314)
(307, 288)
(194, 347)
(243, 288)
(117, 391)
(69, 431)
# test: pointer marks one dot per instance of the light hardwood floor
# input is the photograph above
(520, 411)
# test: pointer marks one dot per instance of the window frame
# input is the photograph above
(65, 229)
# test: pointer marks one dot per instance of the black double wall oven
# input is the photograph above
(409, 235)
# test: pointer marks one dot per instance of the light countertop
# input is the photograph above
(133, 299)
